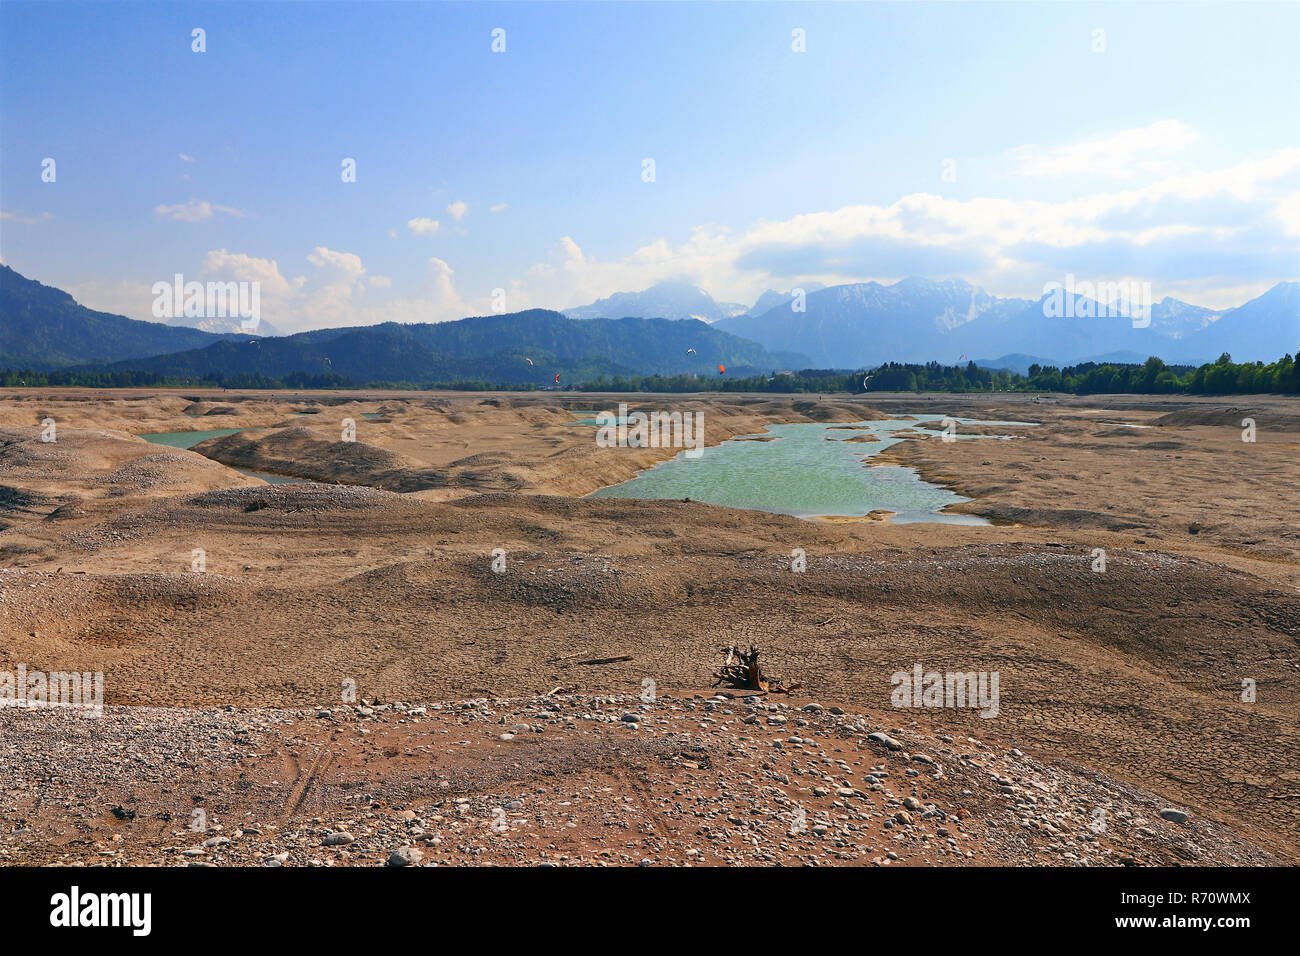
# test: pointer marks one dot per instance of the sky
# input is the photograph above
(1005, 144)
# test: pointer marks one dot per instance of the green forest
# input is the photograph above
(1221, 377)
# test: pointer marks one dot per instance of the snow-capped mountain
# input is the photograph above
(665, 300)
(224, 326)
(921, 320)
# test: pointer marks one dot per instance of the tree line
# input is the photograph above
(1220, 377)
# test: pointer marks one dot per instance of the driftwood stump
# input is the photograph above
(741, 671)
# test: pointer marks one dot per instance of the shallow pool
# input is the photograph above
(186, 439)
(807, 470)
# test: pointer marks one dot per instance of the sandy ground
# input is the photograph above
(1130, 678)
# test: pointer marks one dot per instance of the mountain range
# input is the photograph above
(677, 300)
(224, 326)
(850, 326)
(919, 320)
(42, 328)
(515, 349)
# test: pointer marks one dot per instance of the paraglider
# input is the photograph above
(557, 378)
(690, 351)
(528, 360)
(722, 369)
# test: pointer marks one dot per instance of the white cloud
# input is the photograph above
(422, 226)
(194, 210)
(499, 207)
(184, 158)
(1172, 232)
(346, 264)
(336, 292)
(219, 264)
(324, 298)
(1119, 156)
(457, 210)
(1243, 220)
(27, 220)
(443, 285)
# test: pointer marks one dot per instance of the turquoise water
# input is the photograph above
(808, 470)
(595, 421)
(186, 439)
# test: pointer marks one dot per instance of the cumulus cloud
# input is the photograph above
(337, 291)
(221, 265)
(1122, 155)
(1209, 236)
(422, 226)
(343, 264)
(443, 285)
(1214, 236)
(194, 210)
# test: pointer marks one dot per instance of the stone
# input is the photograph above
(405, 856)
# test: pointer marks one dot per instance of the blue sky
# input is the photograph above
(1171, 156)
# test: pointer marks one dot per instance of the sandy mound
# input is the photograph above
(300, 452)
(1274, 417)
(85, 465)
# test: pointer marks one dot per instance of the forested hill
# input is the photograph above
(42, 327)
(517, 349)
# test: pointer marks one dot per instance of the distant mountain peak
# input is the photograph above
(861, 324)
(671, 299)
